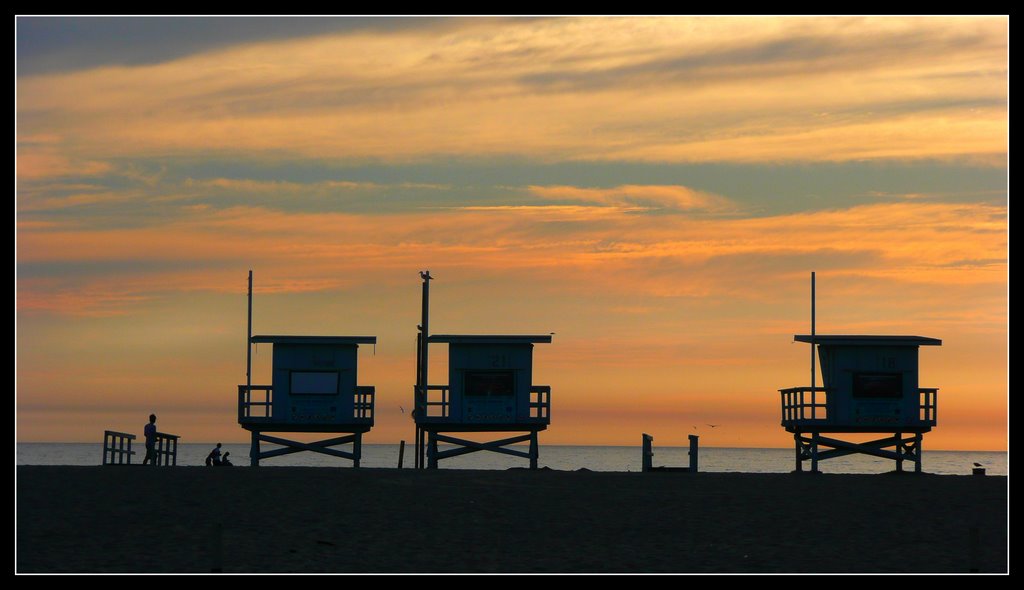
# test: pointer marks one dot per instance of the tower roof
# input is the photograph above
(277, 339)
(489, 338)
(867, 340)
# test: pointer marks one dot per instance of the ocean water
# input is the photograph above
(566, 458)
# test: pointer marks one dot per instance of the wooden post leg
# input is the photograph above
(432, 451)
(254, 450)
(533, 450)
(357, 449)
(919, 456)
(423, 449)
(417, 452)
(899, 452)
(799, 460)
(814, 452)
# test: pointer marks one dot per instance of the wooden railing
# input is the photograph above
(425, 403)
(363, 404)
(246, 403)
(540, 402)
(118, 447)
(166, 447)
(439, 406)
(804, 404)
(929, 410)
(261, 410)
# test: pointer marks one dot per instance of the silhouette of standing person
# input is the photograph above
(150, 433)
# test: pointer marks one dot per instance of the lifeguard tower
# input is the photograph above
(490, 389)
(869, 385)
(313, 389)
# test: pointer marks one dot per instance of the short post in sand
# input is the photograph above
(646, 452)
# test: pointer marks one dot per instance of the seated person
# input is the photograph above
(214, 457)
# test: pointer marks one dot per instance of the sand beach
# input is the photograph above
(296, 519)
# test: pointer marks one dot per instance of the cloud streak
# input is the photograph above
(906, 242)
(565, 89)
(670, 197)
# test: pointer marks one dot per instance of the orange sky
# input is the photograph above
(654, 191)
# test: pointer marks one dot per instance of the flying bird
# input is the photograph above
(714, 425)
(401, 408)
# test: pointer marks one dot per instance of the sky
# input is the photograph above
(655, 191)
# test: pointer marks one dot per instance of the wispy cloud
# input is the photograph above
(672, 197)
(553, 213)
(56, 44)
(566, 89)
(48, 163)
(908, 242)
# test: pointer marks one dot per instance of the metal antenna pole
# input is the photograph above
(421, 369)
(813, 379)
(425, 323)
(248, 344)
